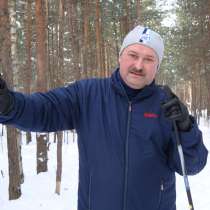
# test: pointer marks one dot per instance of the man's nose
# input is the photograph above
(139, 63)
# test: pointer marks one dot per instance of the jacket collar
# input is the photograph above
(118, 87)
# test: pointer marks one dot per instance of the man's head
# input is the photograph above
(140, 56)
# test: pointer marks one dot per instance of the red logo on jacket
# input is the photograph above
(150, 115)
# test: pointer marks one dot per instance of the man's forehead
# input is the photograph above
(141, 50)
(140, 53)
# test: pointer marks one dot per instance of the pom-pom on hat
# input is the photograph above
(147, 37)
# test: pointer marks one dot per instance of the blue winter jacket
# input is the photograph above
(127, 149)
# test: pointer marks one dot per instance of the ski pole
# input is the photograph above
(181, 156)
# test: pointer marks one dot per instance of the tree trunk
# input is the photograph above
(124, 22)
(86, 41)
(207, 63)
(100, 60)
(6, 65)
(138, 12)
(41, 153)
(41, 45)
(60, 71)
(74, 37)
(59, 162)
(13, 32)
(28, 45)
(28, 66)
(14, 164)
(19, 144)
(60, 76)
(98, 38)
(15, 72)
(54, 50)
(28, 137)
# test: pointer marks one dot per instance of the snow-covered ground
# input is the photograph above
(199, 184)
(38, 191)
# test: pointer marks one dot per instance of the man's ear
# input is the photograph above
(157, 67)
(119, 59)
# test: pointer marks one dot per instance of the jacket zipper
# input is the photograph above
(161, 192)
(89, 197)
(126, 158)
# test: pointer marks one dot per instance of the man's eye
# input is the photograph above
(149, 59)
(133, 55)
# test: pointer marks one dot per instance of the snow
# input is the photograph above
(199, 184)
(38, 191)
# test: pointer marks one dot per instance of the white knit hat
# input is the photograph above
(144, 36)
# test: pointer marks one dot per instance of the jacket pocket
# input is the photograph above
(90, 193)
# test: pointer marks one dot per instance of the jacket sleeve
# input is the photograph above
(55, 110)
(195, 153)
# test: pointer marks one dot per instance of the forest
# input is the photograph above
(45, 44)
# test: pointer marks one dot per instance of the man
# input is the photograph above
(127, 149)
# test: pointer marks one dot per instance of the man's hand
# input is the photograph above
(174, 109)
(6, 98)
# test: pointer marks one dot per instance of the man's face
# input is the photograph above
(138, 65)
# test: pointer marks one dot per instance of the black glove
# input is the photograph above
(174, 109)
(6, 98)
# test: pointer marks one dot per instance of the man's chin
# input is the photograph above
(136, 85)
